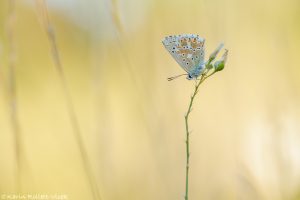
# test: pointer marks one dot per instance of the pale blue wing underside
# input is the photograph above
(188, 50)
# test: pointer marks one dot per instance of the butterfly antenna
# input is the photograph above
(174, 77)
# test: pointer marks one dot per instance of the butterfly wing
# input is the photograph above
(187, 50)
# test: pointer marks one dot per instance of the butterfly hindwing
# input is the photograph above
(187, 50)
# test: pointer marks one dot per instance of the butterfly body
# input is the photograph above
(196, 71)
(188, 50)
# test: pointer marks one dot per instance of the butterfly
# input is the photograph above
(188, 50)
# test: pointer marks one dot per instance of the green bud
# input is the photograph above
(209, 66)
(220, 64)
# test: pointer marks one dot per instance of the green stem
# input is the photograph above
(202, 79)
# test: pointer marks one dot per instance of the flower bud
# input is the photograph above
(209, 66)
(215, 53)
(219, 65)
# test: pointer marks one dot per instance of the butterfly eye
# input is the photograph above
(183, 59)
(192, 58)
(197, 57)
(173, 51)
(187, 63)
(183, 54)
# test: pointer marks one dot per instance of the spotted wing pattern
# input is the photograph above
(187, 50)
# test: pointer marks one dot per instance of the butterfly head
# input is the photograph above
(189, 77)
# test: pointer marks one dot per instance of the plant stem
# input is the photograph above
(202, 79)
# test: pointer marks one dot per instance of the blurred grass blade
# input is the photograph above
(44, 18)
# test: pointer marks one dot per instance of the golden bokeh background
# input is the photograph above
(245, 143)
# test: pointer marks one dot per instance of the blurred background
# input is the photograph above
(245, 143)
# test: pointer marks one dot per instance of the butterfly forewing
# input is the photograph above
(187, 50)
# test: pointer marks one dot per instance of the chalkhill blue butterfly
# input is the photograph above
(188, 50)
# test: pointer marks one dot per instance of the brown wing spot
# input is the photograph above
(183, 51)
(194, 45)
(184, 42)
